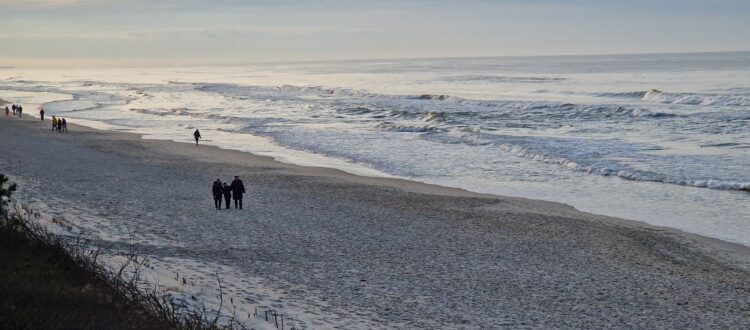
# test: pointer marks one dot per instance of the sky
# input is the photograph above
(176, 32)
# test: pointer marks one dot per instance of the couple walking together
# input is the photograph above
(236, 189)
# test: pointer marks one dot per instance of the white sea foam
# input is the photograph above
(484, 125)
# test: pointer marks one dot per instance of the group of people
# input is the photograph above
(232, 191)
(60, 125)
(17, 110)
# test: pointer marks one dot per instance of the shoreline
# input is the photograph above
(328, 233)
(734, 251)
(526, 172)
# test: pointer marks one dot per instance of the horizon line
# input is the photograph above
(75, 63)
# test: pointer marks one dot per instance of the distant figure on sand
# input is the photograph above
(197, 136)
(64, 126)
(217, 190)
(227, 190)
(54, 123)
(14, 109)
(7, 111)
(238, 188)
(41, 113)
(20, 111)
(59, 125)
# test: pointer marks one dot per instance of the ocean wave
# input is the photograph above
(357, 110)
(657, 96)
(628, 174)
(251, 125)
(393, 127)
(633, 95)
(313, 89)
(234, 90)
(291, 90)
(386, 113)
(474, 136)
(68, 106)
(184, 112)
(447, 104)
(88, 83)
(737, 97)
(506, 113)
(628, 112)
(165, 112)
(500, 79)
(433, 97)
(729, 145)
(698, 99)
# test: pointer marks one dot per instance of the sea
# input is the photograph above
(659, 138)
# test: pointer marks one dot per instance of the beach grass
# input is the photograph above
(49, 281)
(43, 287)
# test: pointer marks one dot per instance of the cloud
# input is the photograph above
(263, 30)
(41, 2)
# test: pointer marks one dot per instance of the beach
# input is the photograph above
(336, 250)
(664, 142)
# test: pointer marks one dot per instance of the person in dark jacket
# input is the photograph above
(238, 188)
(41, 114)
(64, 125)
(227, 194)
(217, 190)
(197, 136)
(20, 111)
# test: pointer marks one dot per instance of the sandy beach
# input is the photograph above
(337, 250)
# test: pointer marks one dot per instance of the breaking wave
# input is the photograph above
(697, 99)
(730, 98)
(451, 104)
(701, 99)
(474, 136)
(628, 174)
(393, 127)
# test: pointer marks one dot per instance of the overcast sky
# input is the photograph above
(134, 32)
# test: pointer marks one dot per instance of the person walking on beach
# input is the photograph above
(64, 125)
(227, 190)
(238, 188)
(7, 111)
(14, 109)
(197, 136)
(54, 122)
(20, 111)
(41, 113)
(217, 190)
(59, 125)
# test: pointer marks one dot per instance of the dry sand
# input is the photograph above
(344, 251)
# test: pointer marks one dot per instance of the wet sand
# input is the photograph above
(344, 251)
